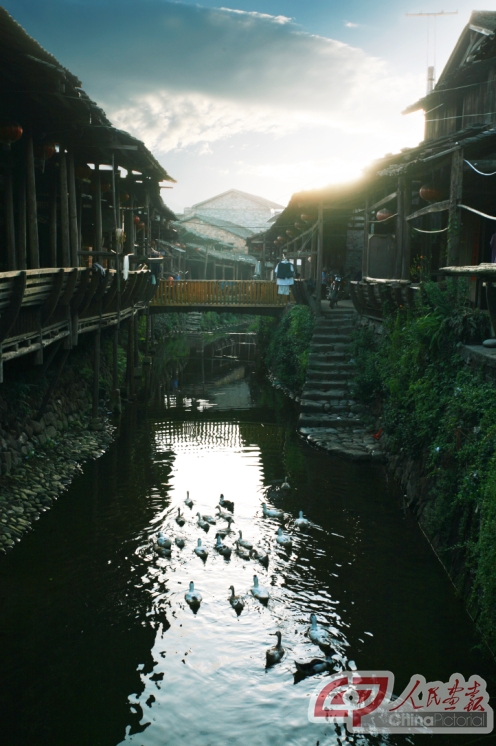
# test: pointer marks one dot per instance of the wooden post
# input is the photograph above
(21, 224)
(262, 263)
(73, 216)
(96, 375)
(407, 205)
(454, 219)
(53, 224)
(64, 211)
(9, 220)
(130, 357)
(206, 263)
(320, 257)
(32, 209)
(365, 255)
(115, 360)
(97, 244)
(400, 227)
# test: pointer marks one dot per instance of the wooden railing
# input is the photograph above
(208, 293)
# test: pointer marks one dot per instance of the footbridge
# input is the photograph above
(258, 297)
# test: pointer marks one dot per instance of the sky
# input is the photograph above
(267, 96)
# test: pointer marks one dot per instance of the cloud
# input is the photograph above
(350, 24)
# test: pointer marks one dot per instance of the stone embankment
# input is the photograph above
(329, 416)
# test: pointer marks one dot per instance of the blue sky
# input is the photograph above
(268, 97)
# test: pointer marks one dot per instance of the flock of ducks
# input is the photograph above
(247, 551)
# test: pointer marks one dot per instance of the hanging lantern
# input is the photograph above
(299, 226)
(137, 220)
(141, 226)
(383, 214)
(83, 172)
(430, 193)
(105, 186)
(10, 132)
(280, 238)
(290, 233)
(123, 196)
(276, 242)
(44, 152)
(308, 218)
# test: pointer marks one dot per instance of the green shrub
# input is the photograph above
(284, 346)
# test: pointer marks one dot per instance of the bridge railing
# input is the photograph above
(218, 293)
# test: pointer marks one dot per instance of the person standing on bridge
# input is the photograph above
(284, 274)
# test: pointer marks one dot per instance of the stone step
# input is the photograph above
(341, 376)
(328, 365)
(353, 446)
(325, 346)
(332, 339)
(318, 394)
(307, 419)
(336, 406)
(327, 357)
(326, 384)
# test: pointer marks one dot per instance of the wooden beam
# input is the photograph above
(64, 211)
(428, 209)
(9, 220)
(97, 200)
(21, 223)
(53, 225)
(32, 209)
(10, 314)
(454, 220)
(365, 255)
(50, 304)
(407, 249)
(381, 202)
(73, 216)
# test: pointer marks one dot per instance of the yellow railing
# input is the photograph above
(218, 293)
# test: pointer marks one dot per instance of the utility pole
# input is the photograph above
(431, 69)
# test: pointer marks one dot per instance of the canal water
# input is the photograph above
(99, 647)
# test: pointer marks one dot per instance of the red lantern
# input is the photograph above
(137, 220)
(44, 152)
(10, 133)
(141, 226)
(83, 172)
(299, 226)
(308, 218)
(429, 193)
(123, 196)
(384, 214)
(290, 233)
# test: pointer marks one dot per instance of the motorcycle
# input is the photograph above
(333, 290)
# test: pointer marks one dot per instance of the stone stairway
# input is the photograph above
(329, 417)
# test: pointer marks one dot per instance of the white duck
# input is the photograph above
(285, 485)
(180, 519)
(203, 524)
(236, 601)
(163, 540)
(243, 553)
(180, 542)
(275, 654)
(272, 512)
(259, 591)
(209, 519)
(302, 522)
(317, 634)
(228, 504)
(222, 548)
(221, 515)
(200, 551)
(243, 543)
(192, 597)
(188, 501)
(316, 665)
(163, 551)
(283, 539)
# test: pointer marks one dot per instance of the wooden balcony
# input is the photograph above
(253, 296)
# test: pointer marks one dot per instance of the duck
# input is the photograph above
(285, 485)
(223, 532)
(180, 542)
(236, 602)
(261, 556)
(275, 654)
(302, 522)
(243, 543)
(316, 665)
(203, 524)
(188, 501)
(221, 515)
(163, 540)
(228, 504)
(272, 512)
(222, 548)
(283, 539)
(209, 519)
(318, 635)
(192, 597)
(163, 551)
(180, 519)
(202, 552)
(243, 553)
(259, 591)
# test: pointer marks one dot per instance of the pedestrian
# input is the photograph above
(284, 274)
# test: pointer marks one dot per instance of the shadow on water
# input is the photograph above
(99, 646)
